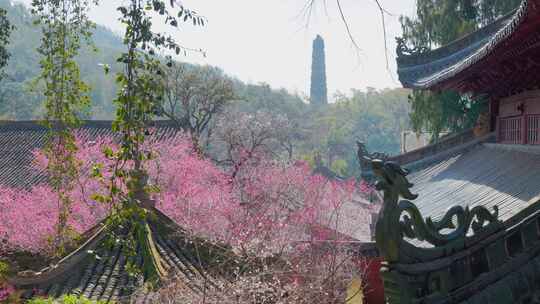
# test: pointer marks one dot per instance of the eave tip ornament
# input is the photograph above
(400, 218)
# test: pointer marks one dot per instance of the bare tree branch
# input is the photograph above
(308, 8)
(383, 20)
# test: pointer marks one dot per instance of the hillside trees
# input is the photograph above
(5, 30)
(194, 97)
(22, 103)
(374, 117)
(244, 139)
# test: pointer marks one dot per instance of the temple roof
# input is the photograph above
(18, 139)
(476, 173)
(96, 269)
(99, 271)
(481, 60)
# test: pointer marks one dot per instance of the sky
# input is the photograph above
(270, 41)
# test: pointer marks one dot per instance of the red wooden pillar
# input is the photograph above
(498, 129)
(523, 129)
(493, 115)
(374, 291)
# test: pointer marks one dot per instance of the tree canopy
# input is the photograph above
(5, 30)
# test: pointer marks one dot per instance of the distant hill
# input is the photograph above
(15, 100)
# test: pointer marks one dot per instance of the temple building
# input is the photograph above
(460, 222)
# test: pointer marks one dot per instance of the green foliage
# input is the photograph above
(137, 104)
(309, 158)
(64, 23)
(17, 101)
(439, 22)
(340, 167)
(194, 96)
(67, 299)
(376, 118)
(5, 30)
(446, 111)
(318, 92)
(4, 270)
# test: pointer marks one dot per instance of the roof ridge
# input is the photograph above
(80, 273)
(512, 18)
(27, 125)
(59, 268)
(446, 67)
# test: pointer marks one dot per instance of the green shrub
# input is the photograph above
(67, 299)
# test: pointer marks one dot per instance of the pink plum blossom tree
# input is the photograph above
(267, 210)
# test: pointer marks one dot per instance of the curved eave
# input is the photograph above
(64, 266)
(441, 67)
(98, 271)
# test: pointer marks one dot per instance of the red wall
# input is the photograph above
(530, 99)
(374, 291)
(520, 113)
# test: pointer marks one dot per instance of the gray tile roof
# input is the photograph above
(185, 256)
(18, 139)
(98, 271)
(483, 174)
(424, 70)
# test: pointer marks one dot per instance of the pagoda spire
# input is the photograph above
(318, 92)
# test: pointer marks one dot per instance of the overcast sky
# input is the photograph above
(270, 41)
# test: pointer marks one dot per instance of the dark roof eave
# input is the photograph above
(433, 69)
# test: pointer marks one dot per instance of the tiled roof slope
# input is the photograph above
(99, 272)
(424, 70)
(19, 138)
(507, 176)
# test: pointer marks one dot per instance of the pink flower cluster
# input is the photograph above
(29, 216)
(5, 291)
(266, 206)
